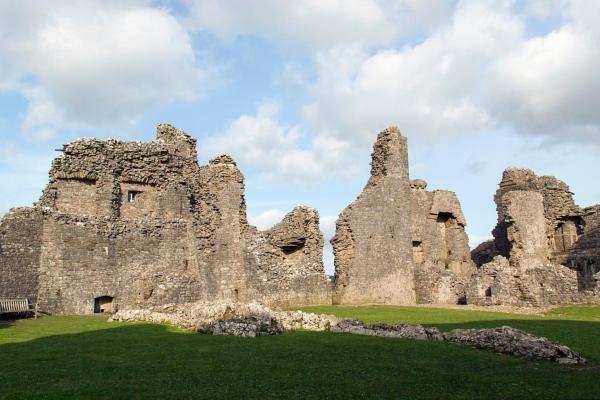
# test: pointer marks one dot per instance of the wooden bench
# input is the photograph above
(9, 306)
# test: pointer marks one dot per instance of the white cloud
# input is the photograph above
(550, 84)
(266, 219)
(319, 24)
(315, 23)
(327, 226)
(275, 150)
(478, 72)
(430, 89)
(94, 64)
(476, 240)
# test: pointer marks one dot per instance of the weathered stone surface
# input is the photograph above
(243, 328)
(394, 214)
(484, 252)
(285, 264)
(441, 253)
(372, 243)
(20, 248)
(416, 332)
(252, 320)
(144, 225)
(507, 340)
(550, 247)
(201, 317)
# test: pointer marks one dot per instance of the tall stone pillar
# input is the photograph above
(372, 244)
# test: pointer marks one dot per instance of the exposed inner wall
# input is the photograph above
(441, 252)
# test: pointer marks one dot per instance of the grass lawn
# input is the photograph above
(87, 357)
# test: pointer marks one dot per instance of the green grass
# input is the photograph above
(87, 357)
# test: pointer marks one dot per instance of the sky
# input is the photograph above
(296, 92)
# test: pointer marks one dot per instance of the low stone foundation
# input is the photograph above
(252, 320)
(507, 340)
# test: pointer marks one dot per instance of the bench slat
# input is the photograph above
(14, 305)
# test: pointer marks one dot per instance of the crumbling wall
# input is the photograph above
(584, 256)
(443, 264)
(546, 242)
(20, 246)
(373, 244)
(484, 253)
(141, 224)
(284, 265)
(560, 211)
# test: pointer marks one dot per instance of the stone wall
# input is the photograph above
(20, 247)
(372, 243)
(546, 247)
(285, 262)
(392, 215)
(584, 256)
(441, 252)
(130, 224)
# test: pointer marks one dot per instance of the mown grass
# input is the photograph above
(87, 357)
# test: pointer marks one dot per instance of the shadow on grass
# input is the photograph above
(6, 321)
(152, 361)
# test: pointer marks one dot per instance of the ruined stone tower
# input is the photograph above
(399, 243)
(372, 243)
(545, 249)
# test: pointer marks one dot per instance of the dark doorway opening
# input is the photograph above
(103, 304)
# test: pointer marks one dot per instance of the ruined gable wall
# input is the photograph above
(440, 246)
(170, 230)
(284, 265)
(20, 247)
(373, 244)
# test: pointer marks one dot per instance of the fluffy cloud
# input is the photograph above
(550, 84)
(276, 150)
(430, 89)
(478, 72)
(266, 219)
(318, 24)
(94, 64)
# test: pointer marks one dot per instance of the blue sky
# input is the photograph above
(297, 91)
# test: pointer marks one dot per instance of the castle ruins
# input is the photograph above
(134, 225)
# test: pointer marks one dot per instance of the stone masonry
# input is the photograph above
(398, 243)
(545, 248)
(372, 243)
(440, 245)
(125, 224)
(141, 225)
